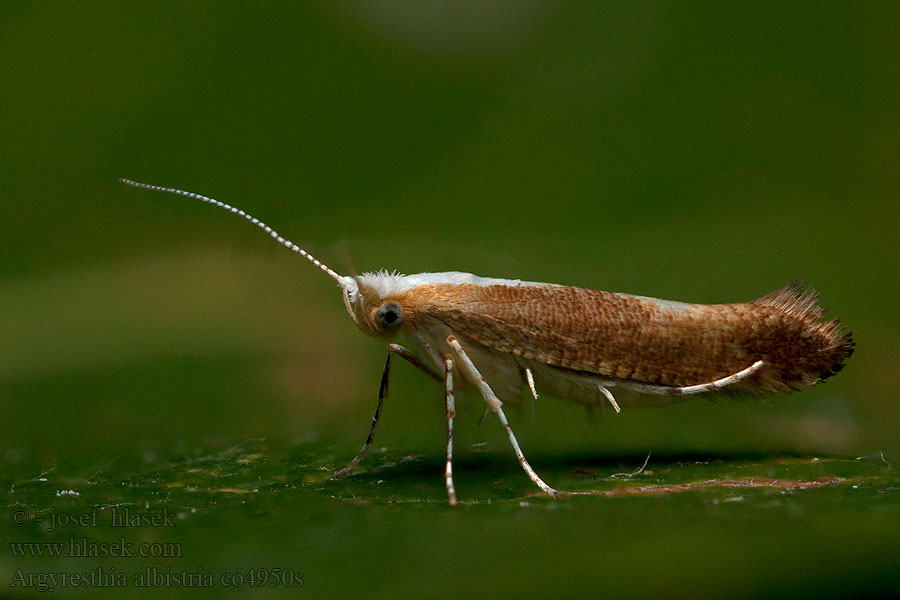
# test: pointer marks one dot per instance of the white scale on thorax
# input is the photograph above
(386, 283)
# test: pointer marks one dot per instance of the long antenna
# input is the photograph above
(286, 243)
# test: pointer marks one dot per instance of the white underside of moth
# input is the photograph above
(507, 376)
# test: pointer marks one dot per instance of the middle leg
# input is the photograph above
(494, 404)
(451, 414)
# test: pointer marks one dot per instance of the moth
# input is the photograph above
(503, 336)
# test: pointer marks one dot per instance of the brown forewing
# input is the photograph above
(640, 339)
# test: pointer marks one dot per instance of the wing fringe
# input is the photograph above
(801, 302)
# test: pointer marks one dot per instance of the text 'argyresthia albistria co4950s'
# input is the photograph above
(576, 343)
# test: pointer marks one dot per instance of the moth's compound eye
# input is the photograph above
(390, 315)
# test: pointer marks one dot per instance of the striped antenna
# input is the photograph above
(344, 281)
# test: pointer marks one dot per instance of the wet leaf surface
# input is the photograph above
(820, 524)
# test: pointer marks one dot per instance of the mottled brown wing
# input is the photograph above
(644, 339)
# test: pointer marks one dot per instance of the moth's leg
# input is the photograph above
(610, 397)
(494, 404)
(529, 377)
(413, 359)
(382, 394)
(718, 384)
(451, 414)
(712, 386)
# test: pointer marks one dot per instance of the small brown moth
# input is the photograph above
(576, 343)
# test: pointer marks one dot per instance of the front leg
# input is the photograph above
(382, 394)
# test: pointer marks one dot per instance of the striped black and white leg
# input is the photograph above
(494, 404)
(451, 414)
(382, 394)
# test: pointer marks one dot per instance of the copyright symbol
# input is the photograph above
(18, 517)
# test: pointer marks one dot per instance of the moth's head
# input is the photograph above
(377, 303)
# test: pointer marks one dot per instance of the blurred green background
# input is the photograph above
(704, 152)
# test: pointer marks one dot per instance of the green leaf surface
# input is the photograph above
(692, 522)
